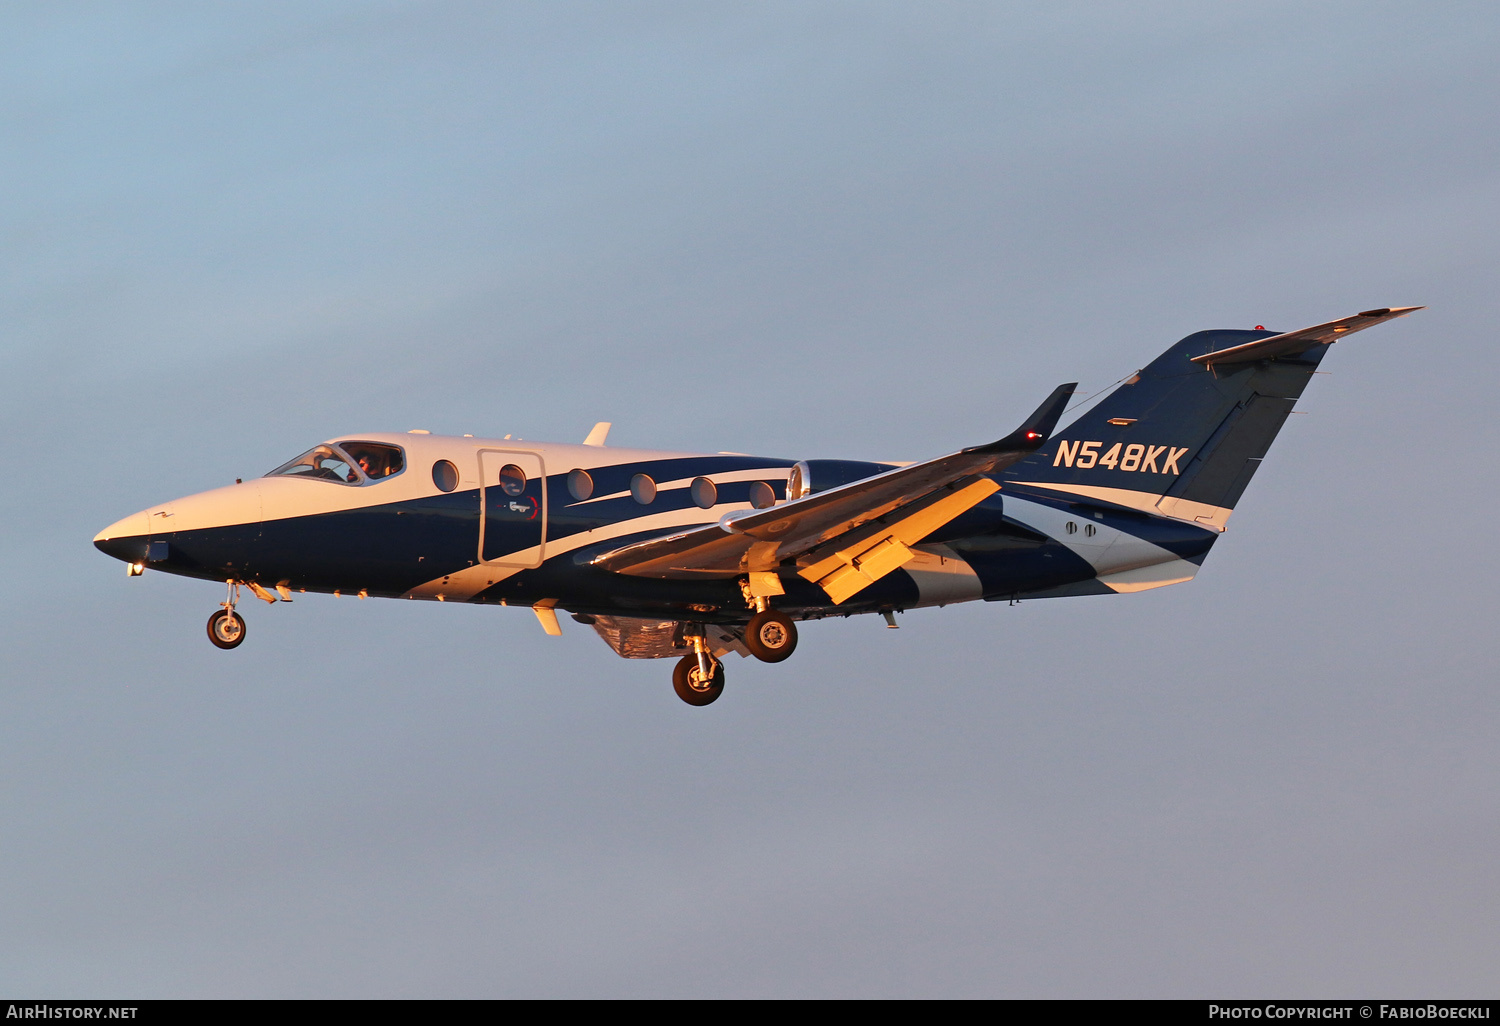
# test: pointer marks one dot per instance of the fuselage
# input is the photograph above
(505, 521)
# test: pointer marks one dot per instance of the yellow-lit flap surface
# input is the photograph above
(861, 561)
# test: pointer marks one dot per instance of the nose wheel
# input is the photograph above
(226, 628)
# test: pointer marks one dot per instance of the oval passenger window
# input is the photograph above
(643, 488)
(512, 480)
(705, 495)
(445, 475)
(580, 485)
(762, 496)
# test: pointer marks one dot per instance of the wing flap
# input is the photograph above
(1291, 343)
(871, 554)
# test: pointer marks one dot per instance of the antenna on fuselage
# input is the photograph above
(599, 434)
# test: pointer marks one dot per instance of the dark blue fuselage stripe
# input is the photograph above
(391, 548)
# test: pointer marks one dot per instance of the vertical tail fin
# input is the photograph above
(1184, 436)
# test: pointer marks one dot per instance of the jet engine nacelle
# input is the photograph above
(809, 476)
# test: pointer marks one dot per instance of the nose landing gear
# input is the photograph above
(695, 687)
(226, 628)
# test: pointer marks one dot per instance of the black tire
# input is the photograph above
(771, 636)
(687, 681)
(226, 629)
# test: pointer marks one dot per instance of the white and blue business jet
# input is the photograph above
(700, 554)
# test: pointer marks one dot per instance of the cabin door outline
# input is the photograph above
(512, 525)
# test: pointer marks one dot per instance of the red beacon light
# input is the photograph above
(1260, 327)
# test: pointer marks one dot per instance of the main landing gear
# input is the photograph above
(698, 678)
(771, 636)
(226, 628)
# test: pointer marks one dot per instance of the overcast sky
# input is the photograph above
(864, 230)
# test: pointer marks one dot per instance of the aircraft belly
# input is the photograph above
(1005, 571)
(582, 589)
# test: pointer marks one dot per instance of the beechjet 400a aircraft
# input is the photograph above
(701, 554)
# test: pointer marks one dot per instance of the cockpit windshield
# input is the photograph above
(352, 463)
(321, 463)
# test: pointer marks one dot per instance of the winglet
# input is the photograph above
(1034, 433)
(599, 434)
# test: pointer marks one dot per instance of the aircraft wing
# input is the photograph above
(855, 533)
(1290, 343)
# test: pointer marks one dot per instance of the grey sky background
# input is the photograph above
(805, 230)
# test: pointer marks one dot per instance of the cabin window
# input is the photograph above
(323, 463)
(704, 493)
(512, 480)
(445, 475)
(762, 495)
(580, 485)
(643, 489)
(375, 459)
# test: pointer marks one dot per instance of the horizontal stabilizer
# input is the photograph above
(1291, 343)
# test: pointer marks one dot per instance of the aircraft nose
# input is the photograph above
(124, 539)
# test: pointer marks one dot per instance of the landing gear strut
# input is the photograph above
(698, 678)
(226, 628)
